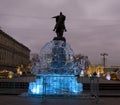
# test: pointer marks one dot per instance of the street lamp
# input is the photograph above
(104, 58)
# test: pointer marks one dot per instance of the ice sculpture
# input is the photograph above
(57, 71)
(56, 56)
(55, 84)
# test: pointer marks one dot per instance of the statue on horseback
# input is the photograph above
(60, 25)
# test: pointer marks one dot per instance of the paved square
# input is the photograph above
(23, 100)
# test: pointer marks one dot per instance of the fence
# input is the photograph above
(16, 85)
(65, 87)
(89, 88)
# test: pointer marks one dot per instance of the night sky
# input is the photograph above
(93, 26)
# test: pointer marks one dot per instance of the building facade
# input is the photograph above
(12, 53)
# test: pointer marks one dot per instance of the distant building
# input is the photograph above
(112, 68)
(12, 53)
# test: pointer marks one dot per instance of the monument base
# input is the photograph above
(60, 38)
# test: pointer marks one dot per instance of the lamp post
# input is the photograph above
(104, 58)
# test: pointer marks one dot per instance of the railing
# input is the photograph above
(20, 85)
(16, 85)
(90, 89)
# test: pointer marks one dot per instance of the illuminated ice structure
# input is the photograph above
(56, 72)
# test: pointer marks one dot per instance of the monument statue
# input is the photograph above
(57, 70)
(60, 25)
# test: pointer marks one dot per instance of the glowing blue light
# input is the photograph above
(55, 73)
(55, 84)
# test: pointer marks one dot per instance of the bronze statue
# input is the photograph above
(60, 25)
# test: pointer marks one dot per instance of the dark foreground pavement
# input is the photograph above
(25, 100)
